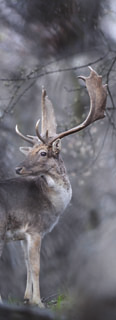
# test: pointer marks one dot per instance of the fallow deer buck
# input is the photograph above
(30, 206)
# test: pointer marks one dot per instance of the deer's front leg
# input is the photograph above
(28, 291)
(34, 247)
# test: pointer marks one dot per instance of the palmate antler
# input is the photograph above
(98, 95)
(48, 122)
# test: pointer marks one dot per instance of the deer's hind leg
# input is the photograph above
(28, 290)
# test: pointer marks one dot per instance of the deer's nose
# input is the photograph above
(18, 170)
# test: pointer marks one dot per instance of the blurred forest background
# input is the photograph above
(50, 43)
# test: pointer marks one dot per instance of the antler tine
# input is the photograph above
(33, 138)
(98, 95)
(32, 141)
(44, 115)
(37, 131)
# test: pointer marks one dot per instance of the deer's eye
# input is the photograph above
(43, 153)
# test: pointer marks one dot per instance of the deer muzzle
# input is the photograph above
(23, 171)
(19, 170)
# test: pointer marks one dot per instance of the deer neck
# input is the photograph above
(58, 187)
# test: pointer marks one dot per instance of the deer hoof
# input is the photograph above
(26, 301)
(41, 305)
(37, 303)
(34, 303)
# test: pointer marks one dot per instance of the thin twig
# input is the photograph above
(49, 72)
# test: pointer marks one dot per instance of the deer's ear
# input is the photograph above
(25, 150)
(56, 146)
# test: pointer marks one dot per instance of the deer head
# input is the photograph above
(46, 146)
(41, 156)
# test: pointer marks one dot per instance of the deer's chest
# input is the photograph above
(61, 198)
(60, 195)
